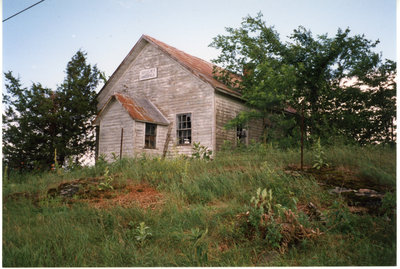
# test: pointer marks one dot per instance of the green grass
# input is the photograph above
(199, 196)
(374, 163)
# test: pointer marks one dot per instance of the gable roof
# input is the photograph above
(140, 109)
(200, 68)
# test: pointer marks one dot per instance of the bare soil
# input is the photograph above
(141, 195)
(87, 190)
(362, 194)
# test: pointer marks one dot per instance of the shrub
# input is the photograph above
(106, 184)
(141, 232)
(201, 152)
(319, 156)
(274, 224)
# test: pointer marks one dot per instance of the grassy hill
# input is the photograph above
(250, 207)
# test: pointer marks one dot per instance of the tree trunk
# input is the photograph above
(302, 138)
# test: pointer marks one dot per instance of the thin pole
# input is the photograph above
(302, 137)
(122, 139)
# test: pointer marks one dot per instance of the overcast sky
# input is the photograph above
(38, 43)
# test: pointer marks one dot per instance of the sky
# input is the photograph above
(38, 43)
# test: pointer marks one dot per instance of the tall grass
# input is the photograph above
(375, 163)
(198, 223)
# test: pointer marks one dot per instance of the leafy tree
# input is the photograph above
(38, 121)
(79, 105)
(308, 74)
(254, 52)
(27, 123)
(323, 65)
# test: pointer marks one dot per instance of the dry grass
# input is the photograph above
(141, 195)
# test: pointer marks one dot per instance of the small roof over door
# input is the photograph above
(140, 109)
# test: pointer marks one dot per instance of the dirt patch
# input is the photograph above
(362, 194)
(280, 231)
(141, 195)
(341, 176)
(88, 190)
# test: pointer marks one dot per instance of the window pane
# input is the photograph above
(150, 136)
(183, 131)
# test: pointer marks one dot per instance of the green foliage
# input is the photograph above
(344, 88)
(283, 131)
(5, 173)
(227, 146)
(388, 207)
(319, 156)
(52, 202)
(377, 174)
(262, 217)
(27, 113)
(372, 163)
(37, 120)
(262, 200)
(108, 179)
(199, 247)
(71, 164)
(201, 151)
(115, 157)
(340, 219)
(142, 233)
(203, 219)
(55, 166)
(273, 234)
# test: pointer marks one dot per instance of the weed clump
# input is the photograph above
(201, 151)
(275, 225)
(205, 213)
(319, 156)
(141, 233)
(106, 185)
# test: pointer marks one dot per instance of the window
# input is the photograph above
(184, 129)
(150, 136)
(241, 135)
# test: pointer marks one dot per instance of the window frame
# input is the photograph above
(148, 143)
(241, 135)
(183, 129)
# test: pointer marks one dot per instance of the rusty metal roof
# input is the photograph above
(290, 110)
(140, 109)
(199, 67)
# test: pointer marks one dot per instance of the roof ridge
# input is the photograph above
(158, 41)
(199, 67)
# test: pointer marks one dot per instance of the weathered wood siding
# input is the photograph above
(113, 119)
(175, 90)
(139, 135)
(256, 128)
(226, 108)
